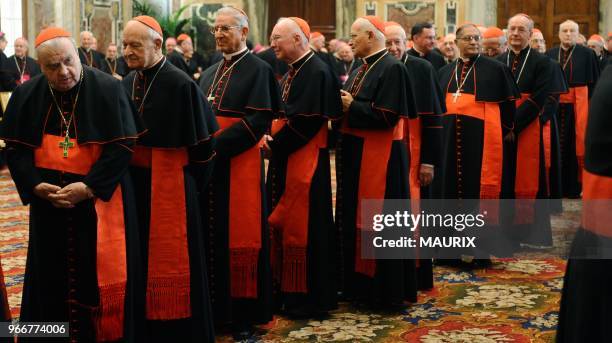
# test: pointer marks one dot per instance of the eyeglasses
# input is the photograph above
(223, 29)
(469, 38)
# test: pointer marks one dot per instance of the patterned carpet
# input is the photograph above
(513, 301)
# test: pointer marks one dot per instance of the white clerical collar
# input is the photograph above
(422, 54)
(300, 58)
(178, 49)
(229, 56)
(370, 55)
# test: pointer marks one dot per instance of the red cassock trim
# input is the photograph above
(290, 217)
(111, 262)
(375, 156)
(168, 279)
(579, 97)
(596, 208)
(244, 216)
(491, 170)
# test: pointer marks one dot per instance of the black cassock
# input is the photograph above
(426, 141)
(382, 99)
(177, 119)
(177, 59)
(310, 97)
(61, 280)
(279, 67)
(535, 79)
(244, 96)
(15, 67)
(474, 127)
(586, 301)
(116, 66)
(91, 58)
(581, 73)
(433, 57)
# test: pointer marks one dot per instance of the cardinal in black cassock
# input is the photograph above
(299, 178)
(82, 263)
(243, 93)
(20, 67)
(534, 76)
(171, 161)
(586, 301)
(581, 72)
(371, 164)
(477, 151)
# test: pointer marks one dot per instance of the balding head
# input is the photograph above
(366, 39)
(86, 38)
(449, 48)
(395, 40)
(59, 61)
(537, 41)
(345, 53)
(288, 41)
(141, 45)
(520, 29)
(21, 47)
(568, 33)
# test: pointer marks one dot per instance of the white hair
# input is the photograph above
(530, 23)
(570, 22)
(240, 17)
(365, 25)
(400, 29)
(296, 29)
(83, 33)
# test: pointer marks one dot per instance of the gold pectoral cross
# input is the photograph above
(211, 98)
(65, 145)
(456, 95)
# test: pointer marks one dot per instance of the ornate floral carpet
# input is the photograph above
(516, 300)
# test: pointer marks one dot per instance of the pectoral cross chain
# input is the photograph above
(456, 95)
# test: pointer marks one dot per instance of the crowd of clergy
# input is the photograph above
(175, 194)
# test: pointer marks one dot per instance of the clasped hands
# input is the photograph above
(66, 197)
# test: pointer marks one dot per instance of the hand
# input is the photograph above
(47, 191)
(196, 76)
(347, 100)
(426, 175)
(117, 76)
(266, 147)
(74, 193)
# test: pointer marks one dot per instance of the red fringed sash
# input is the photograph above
(375, 156)
(527, 160)
(168, 280)
(579, 97)
(491, 170)
(111, 262)
(244, 217)
(290, 217)
(412, 134)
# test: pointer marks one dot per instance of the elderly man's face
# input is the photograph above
(595, 46)
(568, 34)
(170, 44)
(139, 50)
(345, 52)
(283, 42)
(229, 35)
(468, 42)
(187, 45)
(61, 65)
(318, 43)
(395, 41)
(111, 52)
(21, 47)
(360, 41)
(519, 32)
(449, 47)
(86, 40)
(492, 47)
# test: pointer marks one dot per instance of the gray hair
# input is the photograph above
(240, 17)
(54, 44)
(83, 33)
(365, 24)
(575, 24)
(401, 30)
(530, 23)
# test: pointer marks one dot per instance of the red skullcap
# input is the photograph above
(150, 22)
(303, 26)
(378, 24)
(493, 32)
(50, 33)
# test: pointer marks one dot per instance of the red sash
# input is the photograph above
(492, 156)
(372, 178)
(111, 262)
(528, 158)
(596, 209)
(168, 279)
(290, 217)
(244, 217)
(579, 97)
(412, 134)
